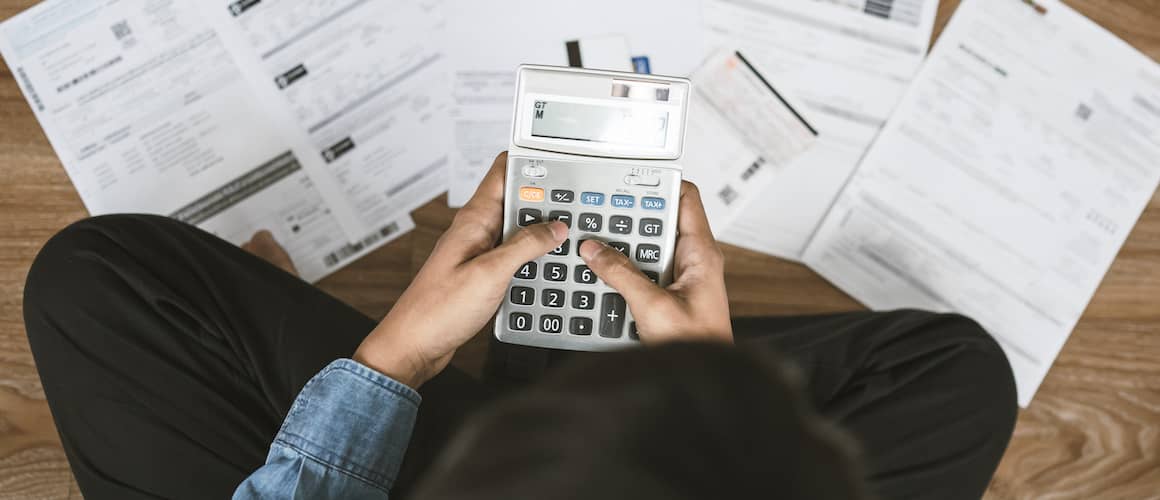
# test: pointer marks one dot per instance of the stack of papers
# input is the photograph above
(997, 177)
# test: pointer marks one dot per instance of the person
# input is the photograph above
(177, 365)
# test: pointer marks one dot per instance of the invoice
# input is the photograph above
(1006, 181)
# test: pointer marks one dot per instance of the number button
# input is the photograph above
(621, 247)
(529, 216)
(520, 322)
(591, 222)
(523, 296)
(623, 201)
(620, 224)
(652, 276)
(563, 196)
(562, 216)
(562, 249)
(550, 323)
(554, 271)
(580, 326)
(583, 300)
(585, 275)
(649, 203)
(650, 227)
(612, 309)
(553, 298)
(648, 254)
(527, 271)
(590, 198)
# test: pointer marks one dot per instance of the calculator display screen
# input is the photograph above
(593, 123)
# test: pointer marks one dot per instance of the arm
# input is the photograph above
(348, 429)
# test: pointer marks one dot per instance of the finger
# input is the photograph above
(489, 194)
(695, 243)
(478, 224)
(528, 244)
(614, 268)
(691, 218)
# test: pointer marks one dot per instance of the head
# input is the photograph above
(675, 422)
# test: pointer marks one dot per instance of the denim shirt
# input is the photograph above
(344, 437)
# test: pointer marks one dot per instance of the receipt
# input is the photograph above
(151, 115)
(740, 130)
(1007, 180)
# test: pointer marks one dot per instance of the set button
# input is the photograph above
(590, 198)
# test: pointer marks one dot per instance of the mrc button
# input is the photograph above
(648, 254)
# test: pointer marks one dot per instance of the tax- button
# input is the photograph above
(650, 227)
(648, 254)
(623, 201)
(650, 203)
(528, 193)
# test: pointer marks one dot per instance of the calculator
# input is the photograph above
(598, 151)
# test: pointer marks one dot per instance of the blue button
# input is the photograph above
(623, 201)
(652, 203)
(590, 198)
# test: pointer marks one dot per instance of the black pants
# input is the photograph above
(170, 357)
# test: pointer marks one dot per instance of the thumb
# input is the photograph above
(528, 244)
(615, 269)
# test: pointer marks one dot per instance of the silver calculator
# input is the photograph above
(599, 151)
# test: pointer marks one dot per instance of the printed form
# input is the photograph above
(1007, 180)
(848, 63)
(488, 40)
(148, 112)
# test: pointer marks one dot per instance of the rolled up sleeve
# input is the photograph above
(344, 437)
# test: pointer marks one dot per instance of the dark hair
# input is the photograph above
(681, 421)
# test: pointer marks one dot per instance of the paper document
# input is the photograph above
(359, 89)
(848, 63)
(486, 41)
(740, 131)
(148, 113)
(1007, 180)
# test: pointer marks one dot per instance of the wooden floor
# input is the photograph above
(1093, 430)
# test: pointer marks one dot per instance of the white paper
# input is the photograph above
(848, 64)
(1007, 180)
(367, 115)
(148, 113)
(486, 41)
(740, 131)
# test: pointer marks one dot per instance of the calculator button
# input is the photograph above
(520, 322)
(621, 247)
(585, 275)
(632, 331)
(642, 180)
(650, 203)
(553, 298)
(528, 193)
(563, 196)
(590, 198)
(612, 309)
(590, 222)
(650, 227)
(527, 271)
(529, 216)
(534, 171)
(562, 216)
(648, 254)
(562, 249)
(523, 296)
(550, 323)
(652, 276)
(554, 271)
(620, 224)
(580, 326)
(623, 201)
(583, 300)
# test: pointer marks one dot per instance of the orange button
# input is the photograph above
(528, 193)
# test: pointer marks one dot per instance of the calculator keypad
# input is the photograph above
(558, 296)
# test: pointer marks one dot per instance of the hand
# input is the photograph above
(458, 289)
(695, 306)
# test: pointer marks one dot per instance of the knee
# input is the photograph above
(990, 382)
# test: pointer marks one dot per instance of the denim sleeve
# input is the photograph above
(344, 437)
